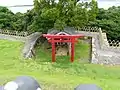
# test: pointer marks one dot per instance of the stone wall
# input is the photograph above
(103, 39)
(110, 58)
(94, 58)
(107, 54)
(30, 41)
(102, 52)
(28, 50)
(15, 33)
(13, 38)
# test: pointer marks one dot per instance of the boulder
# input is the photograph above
(22, 83)
(87, 87)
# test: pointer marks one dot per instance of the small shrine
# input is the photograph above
(63, 42)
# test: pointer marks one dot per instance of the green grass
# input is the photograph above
(82, 51)
(61, 75)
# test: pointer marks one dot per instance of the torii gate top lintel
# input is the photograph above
(53, 38)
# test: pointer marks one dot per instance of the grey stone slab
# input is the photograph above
(23, 83)
(87, 87)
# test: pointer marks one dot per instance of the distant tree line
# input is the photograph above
(48, 14)
(109, 21)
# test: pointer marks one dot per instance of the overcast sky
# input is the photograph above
(101, 3)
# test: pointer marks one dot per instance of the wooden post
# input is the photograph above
(53, 50)
(72, 49)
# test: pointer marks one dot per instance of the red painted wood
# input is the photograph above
(62, 36)
(61, 41)
(72, 49)
(53, 50)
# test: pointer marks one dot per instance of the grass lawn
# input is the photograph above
(61, 75)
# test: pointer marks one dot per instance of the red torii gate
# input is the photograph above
(62, 38)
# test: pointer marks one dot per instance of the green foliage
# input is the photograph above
(93, 10)
(62, 13)
(48, 14)
(6, 18)
(19, 23)
(109, 21)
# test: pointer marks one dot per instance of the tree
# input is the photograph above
(51, 14)
(109, 21)
(6, 18)
(19, 23)
(93, 10)
(48, 14)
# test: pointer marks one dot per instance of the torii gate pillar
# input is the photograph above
(62, 38)
(53, 51)
(72, 49)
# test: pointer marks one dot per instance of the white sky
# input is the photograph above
(101, 3)
(17, 2)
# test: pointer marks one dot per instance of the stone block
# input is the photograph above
(88, 87)
(22, 83)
